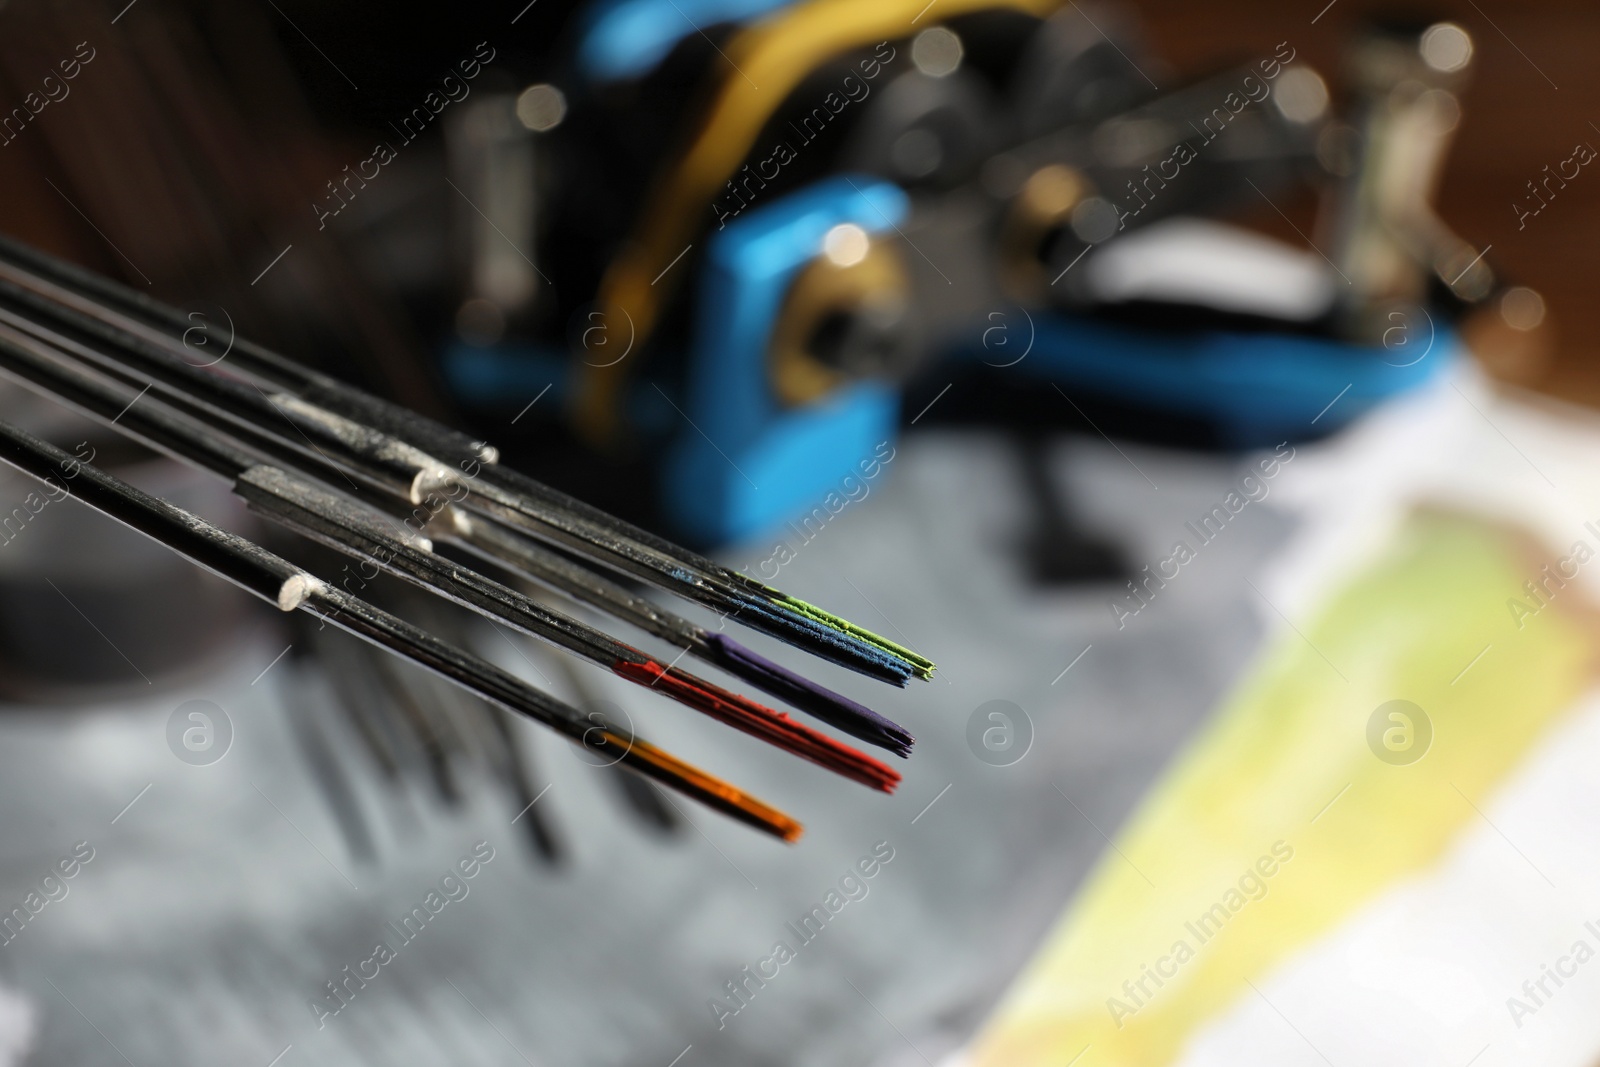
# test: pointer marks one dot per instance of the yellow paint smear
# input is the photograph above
(1285, 744)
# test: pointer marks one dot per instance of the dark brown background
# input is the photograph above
(1534, 92)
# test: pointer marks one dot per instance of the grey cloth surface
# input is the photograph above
(217, 905)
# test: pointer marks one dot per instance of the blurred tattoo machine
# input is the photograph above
(748, 252)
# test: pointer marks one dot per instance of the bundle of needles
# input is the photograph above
(383, 484)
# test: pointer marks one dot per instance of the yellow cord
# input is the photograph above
(766, 61)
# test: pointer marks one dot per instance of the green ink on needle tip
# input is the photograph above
(921, 665)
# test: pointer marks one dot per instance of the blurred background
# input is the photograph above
(1205, 387)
